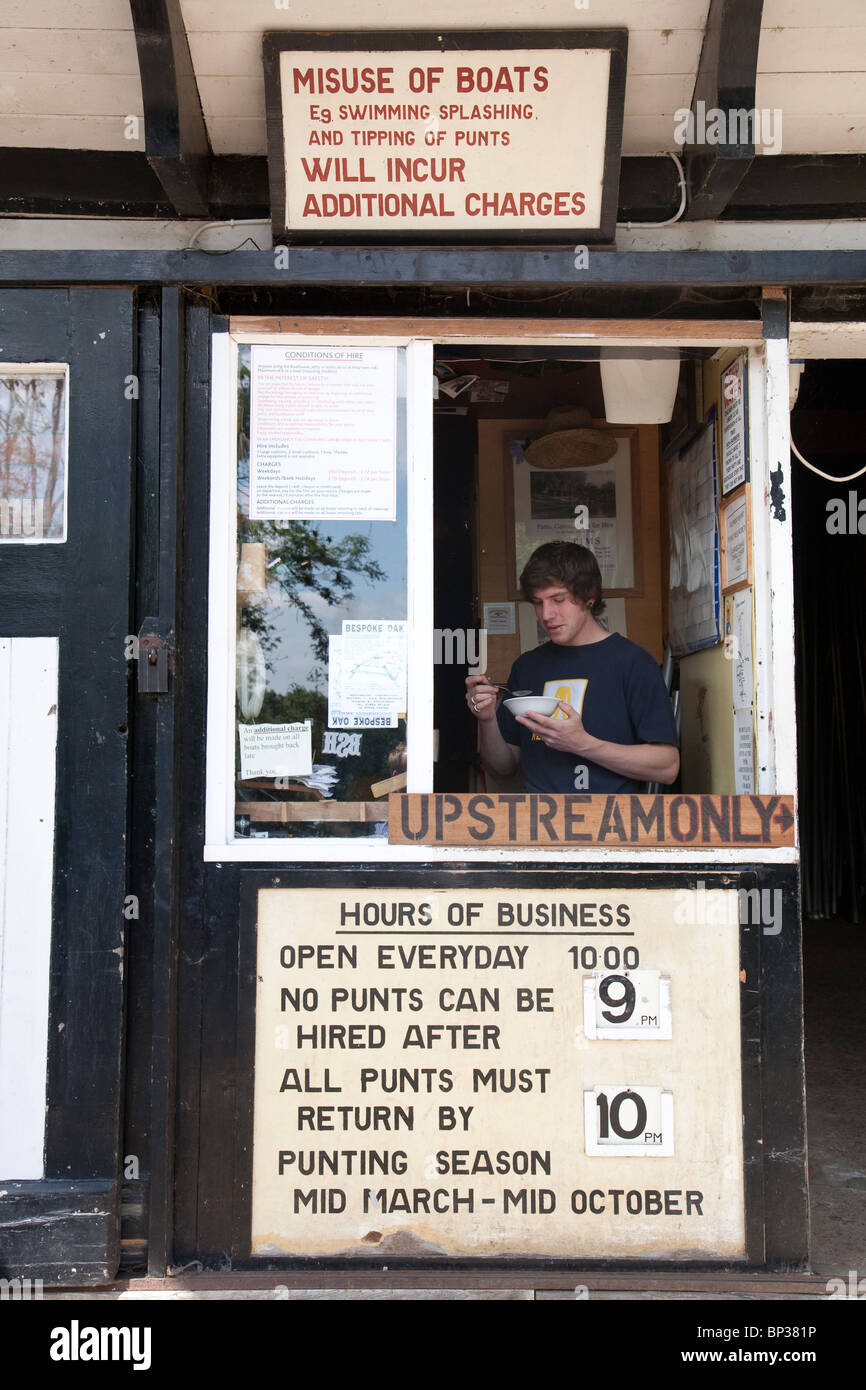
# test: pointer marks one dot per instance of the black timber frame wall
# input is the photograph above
(212, 1163)
(188, 1088)
(64, 1228)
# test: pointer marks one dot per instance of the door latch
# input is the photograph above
(155, 657)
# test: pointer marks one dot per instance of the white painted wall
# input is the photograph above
(28, 743)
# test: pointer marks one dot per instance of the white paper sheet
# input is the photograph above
(734, 426)
(275, 750)
(742, 675)
(367, 674)
(323, 433)
(744, 752)
(499, 619)
(736, 554)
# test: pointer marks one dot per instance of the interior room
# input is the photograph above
(530, 444)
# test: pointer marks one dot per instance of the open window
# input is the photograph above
(369, 527)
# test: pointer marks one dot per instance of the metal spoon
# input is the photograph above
(508, 691)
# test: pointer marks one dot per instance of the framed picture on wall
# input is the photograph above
(594, 504)
(736, 542)
(688, 411)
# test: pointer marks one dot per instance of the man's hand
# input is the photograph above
(643, 762)
(500, 757)
(565, 735)
(481, 698)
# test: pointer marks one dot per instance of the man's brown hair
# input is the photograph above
(566, 563)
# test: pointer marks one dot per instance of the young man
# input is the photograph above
(613, 729)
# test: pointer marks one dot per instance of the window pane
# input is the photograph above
(32, 455)
(299, 581)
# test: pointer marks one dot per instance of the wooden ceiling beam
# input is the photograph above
(176, 139)
(726, 79)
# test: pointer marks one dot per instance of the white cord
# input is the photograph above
(669, 222)
(241, 222)
(831, 477)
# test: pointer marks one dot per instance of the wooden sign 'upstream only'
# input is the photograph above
(544, 821)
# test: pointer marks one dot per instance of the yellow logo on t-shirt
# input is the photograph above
(570, 692)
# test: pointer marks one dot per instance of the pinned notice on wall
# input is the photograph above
(739, 634)
(734, 423)
(744, 752)
(367, 674)
(275, 750)
(482, 1072)
(323, 439)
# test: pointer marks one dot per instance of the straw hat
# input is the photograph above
(569, 441)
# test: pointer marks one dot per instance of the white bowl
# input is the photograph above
(532, 704)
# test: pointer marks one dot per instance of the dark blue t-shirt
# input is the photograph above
(617, 689)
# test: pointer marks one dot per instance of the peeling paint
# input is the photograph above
(777, 495)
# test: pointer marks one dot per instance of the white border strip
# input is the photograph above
(779, 503)
(419, 551)
(219, 796)
(28, 738)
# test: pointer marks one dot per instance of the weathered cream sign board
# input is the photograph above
(427, 1080)
(444, 141)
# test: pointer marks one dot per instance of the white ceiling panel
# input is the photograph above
(813, 50)
(802, 14)
(263, 15)
(237, 134)
(112, 52)
(65, 14)
(69, 70)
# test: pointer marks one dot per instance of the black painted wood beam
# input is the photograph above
(116, 183)
(176, 139)
(442, 267)
(725, 83)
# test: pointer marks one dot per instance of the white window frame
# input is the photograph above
(772, 589)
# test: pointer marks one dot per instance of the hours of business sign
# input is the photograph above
(427, 136)
(487, 1073)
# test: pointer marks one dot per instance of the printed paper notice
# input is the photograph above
(742, 676)
(734, 470)
(367, 675)
(744, 753)
(275, 750)
(323, 443)
(736, 542)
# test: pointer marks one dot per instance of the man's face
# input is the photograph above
(567, 620)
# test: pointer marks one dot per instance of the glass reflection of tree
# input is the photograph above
(32, 426)
(302, 560)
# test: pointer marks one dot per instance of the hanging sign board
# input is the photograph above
(422, 136)
(488, 1073)
(579, 820)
